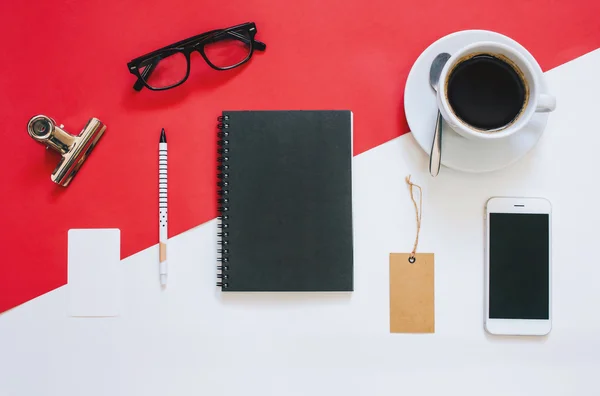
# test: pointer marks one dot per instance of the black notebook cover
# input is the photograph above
(285, 201)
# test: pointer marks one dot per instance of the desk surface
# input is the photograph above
(191, 339)
(332, 54)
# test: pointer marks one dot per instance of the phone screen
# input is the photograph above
(519, 266)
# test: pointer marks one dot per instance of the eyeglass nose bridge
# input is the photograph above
(199, 48)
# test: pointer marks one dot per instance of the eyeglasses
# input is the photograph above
(222, 49)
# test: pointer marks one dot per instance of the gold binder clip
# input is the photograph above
(73, 148)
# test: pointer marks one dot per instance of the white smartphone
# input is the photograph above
(518, 266)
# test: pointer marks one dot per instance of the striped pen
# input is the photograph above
(162, 206)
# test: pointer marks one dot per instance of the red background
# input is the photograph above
(67, 59)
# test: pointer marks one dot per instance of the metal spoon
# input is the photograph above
(435, 159)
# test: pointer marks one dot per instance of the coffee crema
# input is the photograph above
(486, 91)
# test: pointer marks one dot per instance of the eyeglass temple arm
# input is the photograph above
(258, 45)
(139, 84)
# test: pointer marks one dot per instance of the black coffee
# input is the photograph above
(486, 92)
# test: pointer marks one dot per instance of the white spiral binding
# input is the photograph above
(223, 201)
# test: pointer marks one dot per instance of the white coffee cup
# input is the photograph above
(535, 101)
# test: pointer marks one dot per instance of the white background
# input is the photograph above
(192, 340)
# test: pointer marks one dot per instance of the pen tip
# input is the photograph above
(163, 136)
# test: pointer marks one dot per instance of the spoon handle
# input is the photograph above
(435, 158)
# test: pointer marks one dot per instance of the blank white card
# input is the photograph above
(94, 278)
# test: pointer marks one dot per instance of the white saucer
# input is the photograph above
(458, 152)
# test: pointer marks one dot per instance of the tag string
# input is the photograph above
(418, 210)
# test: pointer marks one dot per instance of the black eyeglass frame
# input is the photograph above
(186, 47)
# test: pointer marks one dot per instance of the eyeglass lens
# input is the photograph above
(170, 69)
(228, 49)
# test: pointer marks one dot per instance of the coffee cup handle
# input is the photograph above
(545, 104)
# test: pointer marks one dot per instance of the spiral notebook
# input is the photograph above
(285, 201)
